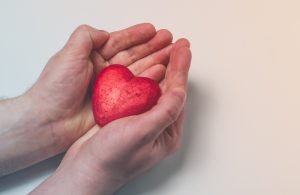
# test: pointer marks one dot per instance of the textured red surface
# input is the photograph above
(118, 93)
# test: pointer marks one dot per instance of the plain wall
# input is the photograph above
(242, 125)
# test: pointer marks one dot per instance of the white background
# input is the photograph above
(242, 127)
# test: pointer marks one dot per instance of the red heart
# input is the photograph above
(118, 93)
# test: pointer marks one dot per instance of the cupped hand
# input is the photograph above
(61, 95)
(104, 159)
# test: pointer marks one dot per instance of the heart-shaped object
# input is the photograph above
(118, 93)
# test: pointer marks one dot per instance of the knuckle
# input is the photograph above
(151, 46)
(173, 110)
(131, 56)
(179, 94)
(172, 113)
(114, 44)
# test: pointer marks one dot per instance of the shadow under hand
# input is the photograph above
(29, 174)
(159, 175)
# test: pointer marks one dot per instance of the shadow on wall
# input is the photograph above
(21, 178)
(159, 175)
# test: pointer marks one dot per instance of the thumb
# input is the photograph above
(164, 113)
(84, 39)
(172, 101)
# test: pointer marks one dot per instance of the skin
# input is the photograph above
(55, 114)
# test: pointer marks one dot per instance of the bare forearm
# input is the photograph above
(25, 137)
(73, 178)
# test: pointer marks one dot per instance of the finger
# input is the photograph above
(163, 114)
(156, 72)
(175, 134)
(84, 39)
(175, 130)
(175, 67)
(98, 61)
(182, 43)
(171, 102)
(160, 57)
(126, 38)
(178, 68)
(169, 141)
(162, 39)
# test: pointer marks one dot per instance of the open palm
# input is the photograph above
(62, 93)
(103, 160)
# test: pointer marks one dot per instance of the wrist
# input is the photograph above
(25, 136)
(75, 177)
(47, 124)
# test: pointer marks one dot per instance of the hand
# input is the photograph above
(104, 159)
(63, 90)
(56, 110)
